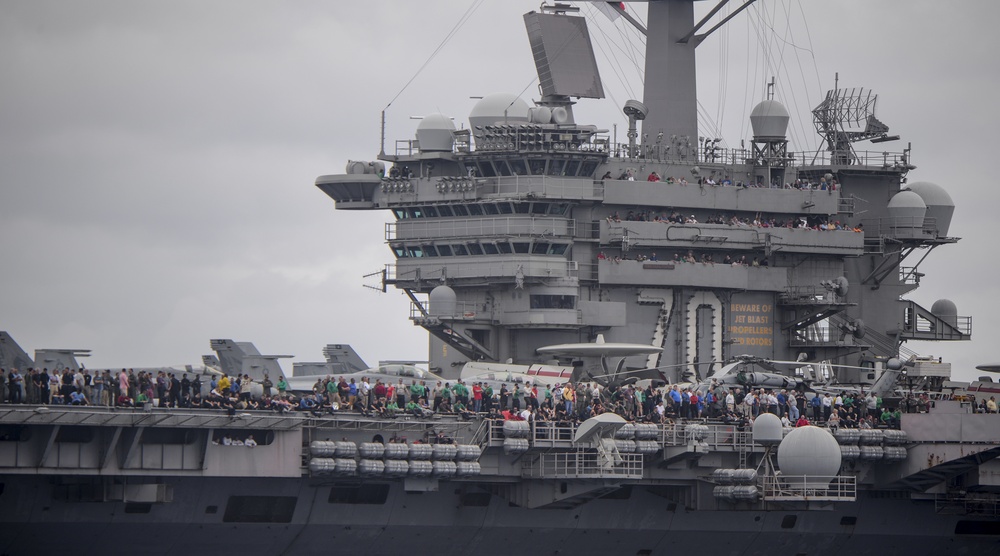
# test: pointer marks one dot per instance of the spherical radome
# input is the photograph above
(909, 206)
(434, 133)
(769, 119)
(812, 452)
(442, 301)
(498, 108)
(907, 200)
(932, 194)
(767, 429)
(946, 310)
(940, 207)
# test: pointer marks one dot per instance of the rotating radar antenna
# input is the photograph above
(846, 116)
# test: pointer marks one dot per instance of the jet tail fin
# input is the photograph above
(11, 354)
(343, 359)
(231, 356)
(242, 358)
(59, 359)
(211, 362)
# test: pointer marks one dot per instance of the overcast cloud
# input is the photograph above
(157, 159)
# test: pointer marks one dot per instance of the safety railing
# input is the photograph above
(582, 464)
(804, 488)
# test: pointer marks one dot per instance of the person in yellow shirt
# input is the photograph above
(224, 385)
(569, 395)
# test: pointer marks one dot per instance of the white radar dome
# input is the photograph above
(442, 302)
(946, 310)
(767, 429)
(497, 109)
(940, 207)
(910, 206)
(769, 120)
(809, 456)
(434, 133)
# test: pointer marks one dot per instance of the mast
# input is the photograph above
(670, 88)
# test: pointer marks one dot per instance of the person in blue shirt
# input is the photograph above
(77, 398)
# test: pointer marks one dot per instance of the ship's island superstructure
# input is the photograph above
(529, 229)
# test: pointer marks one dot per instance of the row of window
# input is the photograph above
(481, 209)
(490, 247)
(532, 166)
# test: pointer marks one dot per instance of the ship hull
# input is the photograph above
(201, 519)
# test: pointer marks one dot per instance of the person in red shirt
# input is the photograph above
(477, 397)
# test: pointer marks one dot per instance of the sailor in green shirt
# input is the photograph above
(886, 416)
(461, 392)
(413, 407)
(416, 391)
(282, 386)
(487, 397)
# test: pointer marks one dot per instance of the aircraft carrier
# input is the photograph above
(527, 229)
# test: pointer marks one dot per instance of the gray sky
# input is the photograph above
(157, 159)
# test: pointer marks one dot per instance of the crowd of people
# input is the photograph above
(672, 216)
(629, 174)
(689, 257)
(564, 403)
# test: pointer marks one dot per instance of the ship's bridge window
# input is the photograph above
(169, 436)
(416, 212)
(558, 249)
(553, 302)
(445, 211)
(505, 208)
(502, 167)
(475, 249)
(400, 214)
(491, 209)
(490, 248)
(518, 167)
(521, 246)
(486, 169)
(459, 250)
(539, 208)
(504, 247)
(559, 209)
(460, 210)
(537, 166)
(556, 167)
(540, 248)
(14, 433)
(400, 252)
(588, 168)
(429, 251)
(444, 250)
(522, 208)
(415, 251)
(475, 210)
(76, 435)
(430, 212)
(571, 167)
